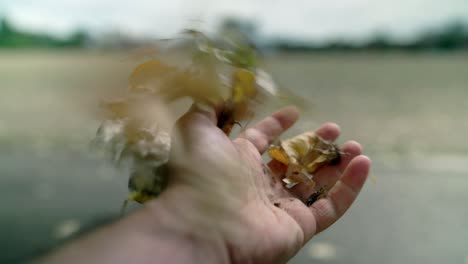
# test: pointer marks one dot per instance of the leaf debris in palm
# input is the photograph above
(303, 155)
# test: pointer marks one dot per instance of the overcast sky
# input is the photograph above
(307, 19)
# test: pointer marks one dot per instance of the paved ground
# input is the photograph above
(406, 109)
(410, 215)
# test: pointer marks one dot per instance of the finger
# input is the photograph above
(342, 195)
(298, 211)
(266, 131)
(350, 150)
(329, 175)
(328, 131)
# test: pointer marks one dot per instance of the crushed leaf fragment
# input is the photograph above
(303, 155)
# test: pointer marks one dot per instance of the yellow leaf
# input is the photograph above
(202, 86)
(304, 154)
(244, 85)
(278, 154)
(297, 147)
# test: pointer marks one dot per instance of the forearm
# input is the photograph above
(143, 237)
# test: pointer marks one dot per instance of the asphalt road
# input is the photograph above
(409, 215)
(406, 109)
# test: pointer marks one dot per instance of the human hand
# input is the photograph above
(276, 223)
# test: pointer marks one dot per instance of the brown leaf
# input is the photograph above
(304, 154)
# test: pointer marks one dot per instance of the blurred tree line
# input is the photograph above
(451, 37)
(10, 37)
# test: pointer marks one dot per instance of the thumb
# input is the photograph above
(193, 129)
(199, 114)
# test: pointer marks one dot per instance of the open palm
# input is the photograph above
(277, 223)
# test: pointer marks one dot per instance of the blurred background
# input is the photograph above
(393, 74)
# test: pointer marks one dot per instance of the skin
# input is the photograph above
(276, 223)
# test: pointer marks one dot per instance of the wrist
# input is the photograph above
(145, 236)
(177, 239)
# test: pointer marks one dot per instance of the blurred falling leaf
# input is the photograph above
(66, 228)
(373, 179)
(149, 76)
(322, 251)
(221, 73)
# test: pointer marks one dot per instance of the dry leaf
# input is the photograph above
(304, 154)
